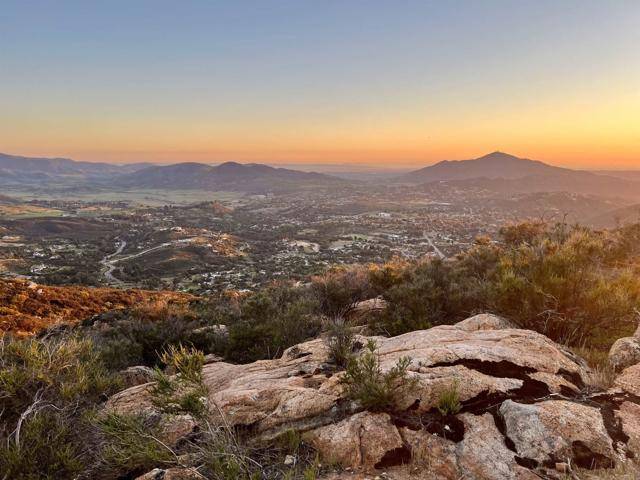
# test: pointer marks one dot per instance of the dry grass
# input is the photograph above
(626, 471)
(603, 373)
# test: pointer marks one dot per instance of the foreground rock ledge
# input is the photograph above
(524, 405)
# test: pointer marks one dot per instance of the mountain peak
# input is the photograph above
(494, 165)
(497, 155)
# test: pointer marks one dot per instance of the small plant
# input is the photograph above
(449, 401)
(185, 392)
(186, 362)
(340, 342)
(374, 389)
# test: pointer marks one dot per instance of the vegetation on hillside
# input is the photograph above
(580, 287)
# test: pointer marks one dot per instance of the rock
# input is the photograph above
(134, 400)
(289, 460)
(624, 353)
(175, 428)
(137, 375)
(211, 358)
(170, 474)
(483, 454)
(217, 330)
(637, 332)
(362, 440)
(629, 380)
(533, 383)
(365, 309)
(484, 321)
(435, 453)
(555, 430)
(629, 416)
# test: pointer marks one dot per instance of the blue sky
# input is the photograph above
(395, 81)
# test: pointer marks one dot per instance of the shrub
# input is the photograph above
(375, 390)
(340, 342)
(185, 392)
(270, 321)
(129, 445)
(47, 386)
(47, 447)
(138, 337)
(340, 288)
(59, 372)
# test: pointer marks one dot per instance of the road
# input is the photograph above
(433, 245)
(110, 264)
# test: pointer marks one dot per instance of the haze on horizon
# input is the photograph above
(363, 82)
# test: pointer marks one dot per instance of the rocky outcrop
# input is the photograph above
(524, 410)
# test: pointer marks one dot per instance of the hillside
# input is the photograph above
(16, 165)
(26, 308)
(617, 217)
(229, 176)
(504, 173)
(625, 174)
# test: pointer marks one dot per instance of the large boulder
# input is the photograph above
(524, 405)
(624, 353)
(552, 431)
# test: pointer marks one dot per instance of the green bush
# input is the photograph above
(449, 401)
(129, 445)
(375, 390)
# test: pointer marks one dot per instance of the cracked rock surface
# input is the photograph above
(523, 398)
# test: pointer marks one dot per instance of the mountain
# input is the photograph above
(16, 165)
(494, 165)
(254, 178)
(504, 173)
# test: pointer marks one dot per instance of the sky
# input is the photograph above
(388, 83)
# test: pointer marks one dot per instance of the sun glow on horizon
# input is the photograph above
(293, 82)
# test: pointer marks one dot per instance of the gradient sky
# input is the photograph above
(328, 81)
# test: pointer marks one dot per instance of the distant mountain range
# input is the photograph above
(229, 176)
(504, 173)
(497, 172)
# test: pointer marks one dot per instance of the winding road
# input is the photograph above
(110, 264)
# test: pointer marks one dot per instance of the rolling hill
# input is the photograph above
(231, 176)
(15, 165)
(504, 173)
